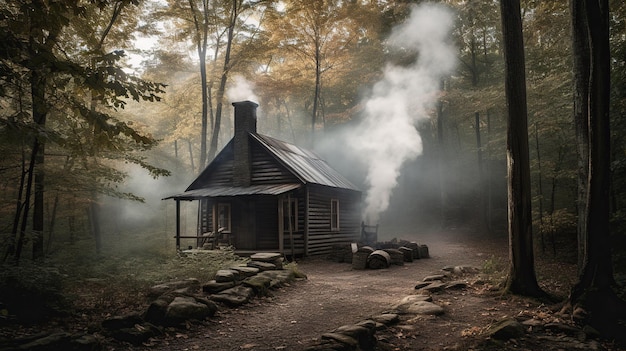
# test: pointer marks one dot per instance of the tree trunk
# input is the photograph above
(540, 189)
(201, 26)
(222, 87)
(40, 112)
(521, 278)
(593, 293)
(442, 159)
(581, 71)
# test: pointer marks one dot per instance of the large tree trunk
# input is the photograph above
(593, 293)
(581, 70)
(222, 87)
(201, 20)
(521, 279)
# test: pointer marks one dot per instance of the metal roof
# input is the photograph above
(216, 191)
(306, 165)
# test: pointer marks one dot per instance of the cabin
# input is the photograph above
(263, 194)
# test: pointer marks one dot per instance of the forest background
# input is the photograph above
(109, 106)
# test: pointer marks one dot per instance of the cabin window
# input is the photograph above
(223, 216)
(334, 214)
(290, 214)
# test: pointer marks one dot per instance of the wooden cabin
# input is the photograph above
(263, 194)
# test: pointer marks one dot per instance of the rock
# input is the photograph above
(137, 334)
(434, 277)
(262, 266)
(265, 256)
(506, 329)
(120, 322)
(190, 284)
(184, 308)
(213, 287)
(246, 271)
(227, 275)
(387, 319)
(363, 335)
(455, 285)
(269, 257)
(156, 311)
(448, 268)
(259, 283)
(279, 278)
(235, 296)
(329, 345)
(417, 304)
(344, 339)
(434, 286)
(422, 285)
(54, 341)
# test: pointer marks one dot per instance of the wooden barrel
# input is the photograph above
(423, 249)
(408, 253)
(416, 249)
(359, 260)
(378, 259)
(397, 257)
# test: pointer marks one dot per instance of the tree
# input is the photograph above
(592, 298)
(40, 52)
(521, 278)
(314, 38)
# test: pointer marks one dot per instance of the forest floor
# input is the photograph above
(296, 316)
(334, 294)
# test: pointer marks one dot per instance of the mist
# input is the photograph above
(387, 136)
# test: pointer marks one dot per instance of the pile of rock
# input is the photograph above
(361, 336)
(180, 301)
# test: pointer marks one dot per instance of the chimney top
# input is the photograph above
(245, 102)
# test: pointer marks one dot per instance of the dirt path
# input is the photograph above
(333, 295)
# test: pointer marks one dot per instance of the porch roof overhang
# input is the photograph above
(225, 191)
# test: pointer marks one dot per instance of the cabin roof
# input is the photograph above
(307, 166)
(217, 191)
(304, 164)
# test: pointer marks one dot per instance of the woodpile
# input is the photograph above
(379, 255)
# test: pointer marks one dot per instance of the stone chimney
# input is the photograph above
(245, 122)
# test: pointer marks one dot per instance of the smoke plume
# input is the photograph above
(241, 90)
(387, 136)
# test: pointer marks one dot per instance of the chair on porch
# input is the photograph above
(212, 240)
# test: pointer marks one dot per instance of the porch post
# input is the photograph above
(177, 224)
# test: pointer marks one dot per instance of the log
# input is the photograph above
(378, 259)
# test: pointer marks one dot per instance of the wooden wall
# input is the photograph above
(321, 238)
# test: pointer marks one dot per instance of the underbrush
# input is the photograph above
(96, 286)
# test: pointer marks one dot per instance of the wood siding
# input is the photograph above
(266, 170)
(320, 236)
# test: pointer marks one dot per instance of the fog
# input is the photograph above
(386, 139)
(379, 151)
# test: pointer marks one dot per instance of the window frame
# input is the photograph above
(334, 215)
(220, 206)
(294, 208)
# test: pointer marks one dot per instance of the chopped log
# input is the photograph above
(408, 253)
(378, 259)
(397, 257)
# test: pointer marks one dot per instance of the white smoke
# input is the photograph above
(241, 90)
(387, 136)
